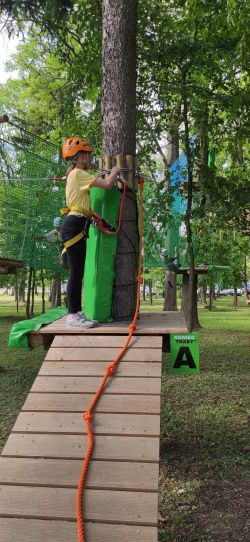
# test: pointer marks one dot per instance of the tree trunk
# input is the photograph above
(55, 292)
(144, 290)
(16, 295)
(184, 293)
(204, 293)
(119, 135)
(28, 292)
(170, 301)
(43, 291)
(211, 290)
(235, 301)
(150, 291)
(191, 313)
(53, 289)
(22, 283)
(58, 292)
(185, 305)
(33, 292)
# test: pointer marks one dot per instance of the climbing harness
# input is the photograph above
(95, 220)
(109, 372)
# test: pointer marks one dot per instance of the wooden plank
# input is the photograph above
(97, 368)
(115, 385)
(103, 424)
(148, 324)
(103, 354)
(104, 341)
(162, 319)
(129, 507)
(42, 460)
(111, 448)
(153, 329)
(66, 402)
(30, 530)
(63, 473)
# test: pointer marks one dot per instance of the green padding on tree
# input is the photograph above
(19, 333)
(101, 250)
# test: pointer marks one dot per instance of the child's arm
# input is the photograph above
(109, 181)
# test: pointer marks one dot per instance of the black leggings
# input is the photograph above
(76, 260)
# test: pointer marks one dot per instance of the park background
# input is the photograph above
(192, 74)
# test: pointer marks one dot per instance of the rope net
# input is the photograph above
(29, 202)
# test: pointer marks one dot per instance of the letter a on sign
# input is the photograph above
(184, 353)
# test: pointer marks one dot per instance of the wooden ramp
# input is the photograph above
(41, 462)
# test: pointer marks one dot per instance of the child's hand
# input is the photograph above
(115, 170)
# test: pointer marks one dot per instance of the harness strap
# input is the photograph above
(66, 210)
(72, 241)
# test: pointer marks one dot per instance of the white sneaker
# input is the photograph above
(75, 320)
(84, 317)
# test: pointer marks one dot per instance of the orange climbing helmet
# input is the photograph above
(73, 145)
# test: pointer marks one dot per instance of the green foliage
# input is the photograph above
(48, 13)
(193, 51)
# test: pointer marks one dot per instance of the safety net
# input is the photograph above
(29, 202)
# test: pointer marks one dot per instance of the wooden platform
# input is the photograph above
(159, 324)
(9, 266)
(40, 464)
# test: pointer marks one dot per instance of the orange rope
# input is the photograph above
(110, 370)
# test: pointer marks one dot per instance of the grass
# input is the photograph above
(204, 437)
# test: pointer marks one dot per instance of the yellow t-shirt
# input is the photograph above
(78, 189)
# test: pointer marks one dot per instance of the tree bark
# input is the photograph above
(33, 292)
(22, 283)
(204, 293)
(43, 291)
(16, 293)
(170, 301)
(184, 293)
(191, 310)
(58, 293)
(55, 293)
(28, 292)
(185, 306)
(235, 298)
(119, 135)
(150, 291)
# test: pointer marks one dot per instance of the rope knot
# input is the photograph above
(139, 279)
(87, 416)
(110, 370)
(132, 327)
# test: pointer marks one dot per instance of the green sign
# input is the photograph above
(184, 353)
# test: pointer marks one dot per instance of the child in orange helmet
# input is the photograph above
(75, 229)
